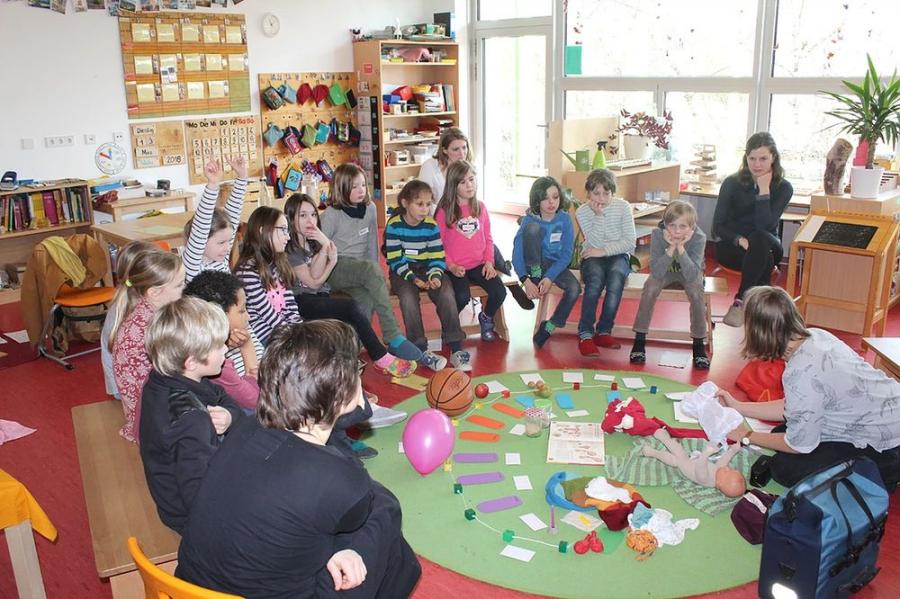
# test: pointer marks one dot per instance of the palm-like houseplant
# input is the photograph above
(870, 110)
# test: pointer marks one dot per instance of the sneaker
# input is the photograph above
(487, 327)
(735, 315)
(363, 451)
(521, 297)
(542, 335)
(433, 361)
(399, 368)
(461, 360)
(606, 340)
(637, 357)
(701, 362)
(382, 417)
(587, 347)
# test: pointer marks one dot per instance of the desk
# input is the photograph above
(18, 513)
(136, 202)
(165, 227)
(887, 353)
(117, 499)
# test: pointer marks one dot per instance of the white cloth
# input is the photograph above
(664, 529)
(715, 420)
(599, 488)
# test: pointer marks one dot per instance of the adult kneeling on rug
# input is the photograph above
(836, 406)
(281, 513)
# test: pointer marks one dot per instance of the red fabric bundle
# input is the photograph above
(761, 380)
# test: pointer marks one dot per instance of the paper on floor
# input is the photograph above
(523, 555)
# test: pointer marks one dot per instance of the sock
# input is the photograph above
(455, 346)
(639, 340)
(699, 347)
(385, 360)
(549, 326)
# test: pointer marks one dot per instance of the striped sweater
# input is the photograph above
(264, 317)
(194, 262)
(414, 249)
(611, 230)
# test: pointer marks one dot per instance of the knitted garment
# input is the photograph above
(629, 417)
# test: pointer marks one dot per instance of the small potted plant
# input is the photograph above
(871, 111)
(639, 130)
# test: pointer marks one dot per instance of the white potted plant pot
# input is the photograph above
(637, 147)
(865, 182)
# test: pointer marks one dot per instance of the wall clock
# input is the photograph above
(271, 24)
(111, 158)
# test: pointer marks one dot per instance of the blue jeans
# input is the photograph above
(532, 249)
(608, 272)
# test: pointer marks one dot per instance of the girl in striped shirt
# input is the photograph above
(264, 270)
(210, 232)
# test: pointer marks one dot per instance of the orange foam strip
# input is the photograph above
(484, 421)
(480, 437)
(508, 409)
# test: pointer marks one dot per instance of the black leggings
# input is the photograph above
(764, 251)
(318, 307)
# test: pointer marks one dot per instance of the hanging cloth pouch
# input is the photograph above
(272, 134)
(322, 133)
(325, 170)
(343, 132)
(291, 139)
(351, 99)
(355, 136)
(309, 136)
(292, 179)
(336, 94)
(272, 98)
(288, 93)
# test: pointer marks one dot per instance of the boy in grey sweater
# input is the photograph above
(677, 259)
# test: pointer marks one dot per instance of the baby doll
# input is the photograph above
(698, 467)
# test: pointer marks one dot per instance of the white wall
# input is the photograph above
(63, 73)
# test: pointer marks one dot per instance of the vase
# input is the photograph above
(865, 182)
(637, 147)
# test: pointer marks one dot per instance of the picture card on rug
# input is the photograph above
(533, 522)
(531, 377)
(573, 377)
(523, 555)
(680, 416)
(413, 381)
(564, 402)
(674, 359)
(582, 521)
(678, 395)
(522, 482)
(400, 447)
(633, 382)
(496, 387)
(577, 413)
(606, 378)
(513, 459)
(517, 430)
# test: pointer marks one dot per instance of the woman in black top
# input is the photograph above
(748, 212)
(280, 512)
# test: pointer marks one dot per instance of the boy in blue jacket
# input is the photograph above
(542, 251)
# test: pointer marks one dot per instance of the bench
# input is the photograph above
(117, 500)
(468, 318)
(634, 285)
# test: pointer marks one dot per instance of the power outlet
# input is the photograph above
(90, 139)
(118, 136)
(59, 141)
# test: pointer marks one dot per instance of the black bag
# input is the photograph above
(822, 537)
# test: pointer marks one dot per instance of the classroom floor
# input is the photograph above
(40, 394)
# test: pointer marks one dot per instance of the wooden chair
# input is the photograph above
(71, 297)
(162, 585)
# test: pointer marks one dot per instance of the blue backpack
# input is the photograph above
(822, 537)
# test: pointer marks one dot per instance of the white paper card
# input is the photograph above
(517, 430)
(573, 377)
(674, 359)
(2, 340)
(496, 387)
(18, 336)
(523, 555)
(530, 377)
(758, 426)
(522, 482)
(606, 378)
(635, 382)
(678, 395)
(533, 522)
(513, 459)
(435, 345)
(577, 413)
(581, 521)
(400, 447)
(680, 415)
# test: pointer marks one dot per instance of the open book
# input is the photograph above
(576, 443)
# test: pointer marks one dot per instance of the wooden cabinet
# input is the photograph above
(30, 213)
(388, 153)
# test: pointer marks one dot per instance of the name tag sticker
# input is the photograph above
(555, 237)
(411, 252)
(364, 231)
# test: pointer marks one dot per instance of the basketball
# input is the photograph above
(450, 391)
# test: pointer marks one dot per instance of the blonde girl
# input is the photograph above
(264, 270)
(154, 280)
(468, 245)
(350, 223)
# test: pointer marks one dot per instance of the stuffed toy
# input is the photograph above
(629, 417)
(698, 467)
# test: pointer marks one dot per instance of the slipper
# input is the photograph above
(637, 357)
(701, 362)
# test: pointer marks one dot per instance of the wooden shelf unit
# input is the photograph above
(16, 246)
(378, 78)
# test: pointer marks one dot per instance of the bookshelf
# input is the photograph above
(25, 222)
(401, 131)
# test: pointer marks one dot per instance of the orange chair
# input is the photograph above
(71, 297)
(159, 584)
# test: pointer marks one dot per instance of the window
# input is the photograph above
(595, 104)
(709, 118)
(663, 39)
(489, 10)
(830, 38)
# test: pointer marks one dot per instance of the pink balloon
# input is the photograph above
(427, 440)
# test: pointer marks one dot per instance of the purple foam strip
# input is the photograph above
(474, 458)
(480, 479)
(496, 505)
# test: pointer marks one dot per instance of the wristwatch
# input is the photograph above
(745, 441)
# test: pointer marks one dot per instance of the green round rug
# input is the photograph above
(711, 558)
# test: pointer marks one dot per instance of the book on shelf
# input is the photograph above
(449, 102)
(50, 207)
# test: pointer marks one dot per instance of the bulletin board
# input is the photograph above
(220, 138)
(184, 63)
(296, 115)
(158, 144)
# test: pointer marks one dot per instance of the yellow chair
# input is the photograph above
(72, 297)
(159, 584)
